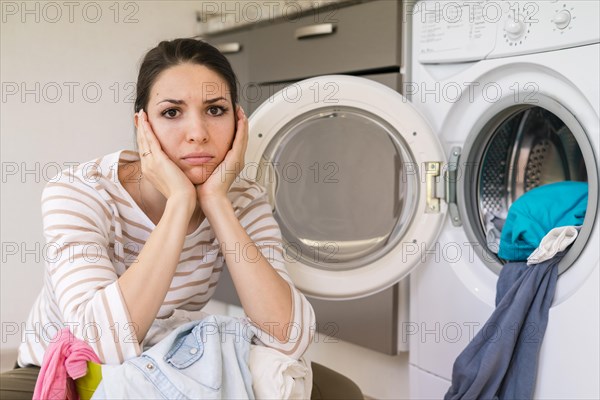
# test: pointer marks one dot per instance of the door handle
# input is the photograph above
(431, 173)
(314, 30)
(229, 48)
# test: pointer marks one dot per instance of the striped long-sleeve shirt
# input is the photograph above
(94, 231)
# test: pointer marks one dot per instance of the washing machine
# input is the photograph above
(512, 91)
(369, 186)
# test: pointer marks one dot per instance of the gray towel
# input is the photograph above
(501, 360)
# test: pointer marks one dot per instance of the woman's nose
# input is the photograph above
(197, 131)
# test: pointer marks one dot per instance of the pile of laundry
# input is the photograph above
(501, 360)
(211, 358)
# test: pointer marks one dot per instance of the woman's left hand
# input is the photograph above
(218, 183)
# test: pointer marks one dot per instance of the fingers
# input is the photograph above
(141, 136)
(147, 141)
(240, 141)
(153, 143)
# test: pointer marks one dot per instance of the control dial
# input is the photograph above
(562, 19)
(515, 28)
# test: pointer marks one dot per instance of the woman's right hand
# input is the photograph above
(159, 169)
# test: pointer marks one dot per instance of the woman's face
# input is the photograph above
(191, 113)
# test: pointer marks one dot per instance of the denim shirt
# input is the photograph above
(206, 359)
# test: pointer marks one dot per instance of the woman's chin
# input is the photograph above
(199, 178)
(198, 181)
(199, 174)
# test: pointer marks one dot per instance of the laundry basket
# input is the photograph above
(327, 384)
(86, 385)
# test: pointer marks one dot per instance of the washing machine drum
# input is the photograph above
(522, 148)
(531, 148)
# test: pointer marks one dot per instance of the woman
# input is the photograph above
(138, 235)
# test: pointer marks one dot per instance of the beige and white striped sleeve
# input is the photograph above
(257, 219)
(77, 225)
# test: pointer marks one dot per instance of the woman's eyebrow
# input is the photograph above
(210, 101)
(207, 101)
(171, 101)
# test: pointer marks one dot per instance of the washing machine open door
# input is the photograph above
(354, 175)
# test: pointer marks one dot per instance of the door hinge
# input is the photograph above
(442, 185)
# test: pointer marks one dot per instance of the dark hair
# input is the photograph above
(179, 51)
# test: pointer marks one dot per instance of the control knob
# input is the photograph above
(562, 19)
(514, 28)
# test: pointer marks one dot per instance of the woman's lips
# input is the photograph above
(198, 160)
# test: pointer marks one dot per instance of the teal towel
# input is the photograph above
(537, 212)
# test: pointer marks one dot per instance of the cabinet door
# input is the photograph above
(371, 322)
(350, 39)
(235, 46)
(263, 92)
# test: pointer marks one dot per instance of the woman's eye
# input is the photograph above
(215, 111)
(170, 113)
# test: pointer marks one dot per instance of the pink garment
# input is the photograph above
(64, 360)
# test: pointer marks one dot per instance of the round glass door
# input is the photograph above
(340, 188)
(349, 166)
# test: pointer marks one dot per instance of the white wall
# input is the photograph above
(45, 51)
(53, 58)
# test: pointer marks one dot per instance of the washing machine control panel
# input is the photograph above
(472, 31)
